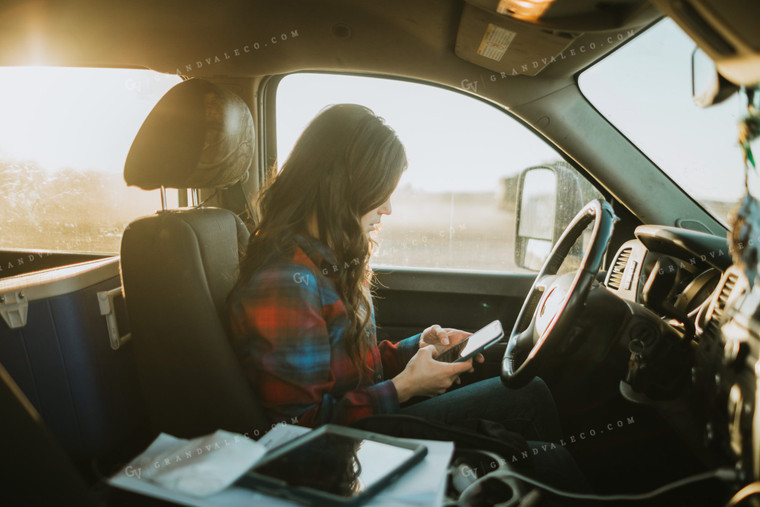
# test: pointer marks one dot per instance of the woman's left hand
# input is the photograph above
(444, 337)
(441, 338)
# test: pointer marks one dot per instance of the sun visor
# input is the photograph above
(502, 44)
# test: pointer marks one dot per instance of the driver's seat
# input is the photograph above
(178, 266)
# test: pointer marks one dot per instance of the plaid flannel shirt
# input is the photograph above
(288, 330)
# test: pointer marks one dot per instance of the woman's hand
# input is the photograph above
(424, 376)
(443, 338)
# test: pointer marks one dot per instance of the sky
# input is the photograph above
(75, 117)
(87, 118)
(645, 90)
(453, 142)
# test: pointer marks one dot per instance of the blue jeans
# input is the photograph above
(529, 411)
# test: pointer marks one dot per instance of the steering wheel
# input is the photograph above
(554, 302)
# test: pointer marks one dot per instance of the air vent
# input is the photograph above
(618, 268)
(722, 301)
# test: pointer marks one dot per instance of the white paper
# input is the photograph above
(199, 467)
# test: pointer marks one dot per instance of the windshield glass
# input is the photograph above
(644, 89)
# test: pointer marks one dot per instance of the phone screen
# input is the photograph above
(482, 338)
(477, 341)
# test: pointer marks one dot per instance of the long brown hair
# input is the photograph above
(346, 163)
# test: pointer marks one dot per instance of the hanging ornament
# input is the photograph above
(745, 218)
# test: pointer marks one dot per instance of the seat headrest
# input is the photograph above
(198, 135)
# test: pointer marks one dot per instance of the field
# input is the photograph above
(86, 211)
(451, 230)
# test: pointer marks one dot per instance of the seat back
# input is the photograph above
(178, 266)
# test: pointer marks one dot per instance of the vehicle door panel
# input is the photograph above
(408, 300)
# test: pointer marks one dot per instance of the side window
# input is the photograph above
(64, 136)
(455, 207)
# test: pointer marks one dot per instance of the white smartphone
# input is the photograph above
(473, 344)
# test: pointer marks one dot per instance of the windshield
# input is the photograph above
(644, 89)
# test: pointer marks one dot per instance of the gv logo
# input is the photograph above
(467, 85)
(301, 279)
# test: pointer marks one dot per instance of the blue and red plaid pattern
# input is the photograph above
(288, 330)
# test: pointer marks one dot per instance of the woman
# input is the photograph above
(301, 313)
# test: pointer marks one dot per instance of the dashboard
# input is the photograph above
(671, 271)
(687, 279)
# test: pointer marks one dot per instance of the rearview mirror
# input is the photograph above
(708, 87)
(548, 198)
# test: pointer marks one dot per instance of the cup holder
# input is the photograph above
(469, 465)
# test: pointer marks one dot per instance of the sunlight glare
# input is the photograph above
(75, 117)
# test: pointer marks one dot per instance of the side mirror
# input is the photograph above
(708, 87)
(548, 197)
